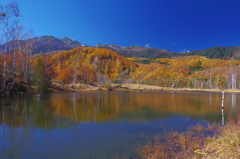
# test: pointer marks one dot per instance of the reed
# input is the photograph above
(179, 145)
(226, 144)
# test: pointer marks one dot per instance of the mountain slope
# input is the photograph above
(217, 52)
(49, 43)
(138, 51)
(46, 44)
(88, 64)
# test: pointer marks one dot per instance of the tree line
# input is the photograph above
(191, 72)
(15, 55)
(100, 66)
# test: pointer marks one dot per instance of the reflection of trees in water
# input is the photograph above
(3, 135)
(234, 109)
(9, 118)
(74, 107)
(210, 99)
(58, 111)
(234, 99)
(223, 107)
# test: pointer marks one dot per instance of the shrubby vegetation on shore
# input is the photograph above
(210, 142)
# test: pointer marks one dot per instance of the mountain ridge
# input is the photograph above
(138, 51)
(217, 52)
(47, 43)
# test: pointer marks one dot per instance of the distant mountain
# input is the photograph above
(49, 43)
(46, 44)
(217, 52)
(139, 51)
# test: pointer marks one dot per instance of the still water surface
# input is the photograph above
(88, 125)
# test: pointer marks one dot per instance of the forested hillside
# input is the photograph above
(86, 65)
(217, 52)
(89, 65)
(190, 71)
(98, 66)
(139, 51)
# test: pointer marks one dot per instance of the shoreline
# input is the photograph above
(60, 88)
(128, 87)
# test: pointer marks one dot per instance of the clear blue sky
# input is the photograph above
(165, 24)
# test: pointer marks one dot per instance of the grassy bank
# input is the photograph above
(210, 142)
(226, 144)
(21, 88)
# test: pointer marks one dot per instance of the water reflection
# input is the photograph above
(111, 121)
(223, 107)
(60, 110)
(234, 100)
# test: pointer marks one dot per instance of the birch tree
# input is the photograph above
(15, 33)
(27, 53)
(5, 38)
(75, 64)
(234, 74)
(12, 32)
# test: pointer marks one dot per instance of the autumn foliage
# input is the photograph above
(98, 66)
(87, 65)
(190, 71)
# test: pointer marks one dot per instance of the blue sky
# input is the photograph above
(165, 24)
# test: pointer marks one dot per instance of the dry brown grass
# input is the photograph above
(213, 142)
(225, 145)
(178, 145)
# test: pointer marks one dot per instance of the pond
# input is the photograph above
(104, 124)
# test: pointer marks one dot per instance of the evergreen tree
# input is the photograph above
(39, 76)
